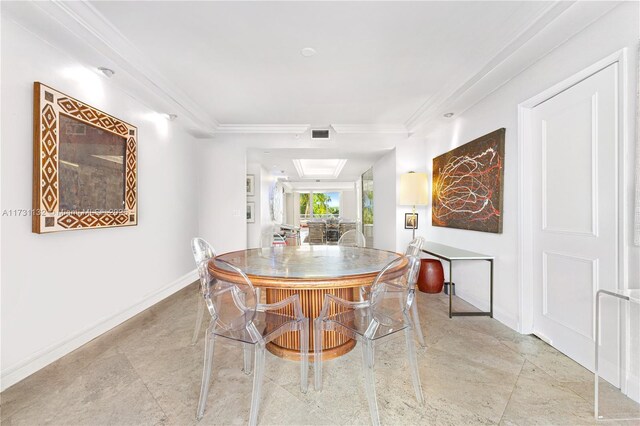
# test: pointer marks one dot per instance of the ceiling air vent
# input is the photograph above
(320, 134)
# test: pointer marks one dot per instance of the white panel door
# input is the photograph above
(575, 218)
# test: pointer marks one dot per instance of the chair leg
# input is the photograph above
(413, 365)
(257, 383)
(247, 350)
(317, 353)
(304, 355)
(206, 372)
(416, 323)
(369, 381)
(199, 317)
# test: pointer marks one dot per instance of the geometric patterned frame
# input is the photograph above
(48, 105)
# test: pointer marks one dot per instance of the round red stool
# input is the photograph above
(431, 278)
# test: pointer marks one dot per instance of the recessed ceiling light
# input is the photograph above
(106, 71)
(319, 168)
(307, 52)
(266, 152)
(449, 115)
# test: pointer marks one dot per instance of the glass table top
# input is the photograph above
(305, 262)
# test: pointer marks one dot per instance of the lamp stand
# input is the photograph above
(415, 224)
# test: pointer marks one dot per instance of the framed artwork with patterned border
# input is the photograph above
(84, 165)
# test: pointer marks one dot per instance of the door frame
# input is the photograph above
(525, 181)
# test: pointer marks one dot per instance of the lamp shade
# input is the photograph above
(413, 189)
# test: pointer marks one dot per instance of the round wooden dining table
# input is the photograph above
(311, 271)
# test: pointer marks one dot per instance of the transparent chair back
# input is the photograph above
(270, 239)
(414, 249)
(352, 238)
(233, 304)
(384, 314)
(393, 292)
(202, 251)
(237, 316)
(415, 246)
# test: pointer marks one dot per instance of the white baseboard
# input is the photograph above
(46, 356)
(504, 317)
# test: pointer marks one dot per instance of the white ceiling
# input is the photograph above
(383, 70)
(376, 62)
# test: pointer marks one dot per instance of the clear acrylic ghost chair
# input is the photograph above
(415, 246)
(352, 238)
(202, 251)
(385, 313)
(271, 239)
(355, 238)
(236, 315)
(414, 249)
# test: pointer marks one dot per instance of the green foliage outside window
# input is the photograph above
(321, 204)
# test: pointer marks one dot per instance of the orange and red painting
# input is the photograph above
(468, 184)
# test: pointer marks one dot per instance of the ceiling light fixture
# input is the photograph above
(172, 117)
(319, 168)
(308, 52)
(449, 115)
(108, 72)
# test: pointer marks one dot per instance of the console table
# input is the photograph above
(450, 254)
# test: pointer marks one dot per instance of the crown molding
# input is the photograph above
(433, 107)
(370, 128)
(89, 36)
(83, 32)
(262, 128)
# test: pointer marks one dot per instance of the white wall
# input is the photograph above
(222, 204)
(616, 30)
(348, 204)
(61, 290)
(384, 202)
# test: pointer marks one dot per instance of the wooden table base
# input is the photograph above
(287, 346)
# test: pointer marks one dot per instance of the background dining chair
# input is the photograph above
(414, 249)
(385, 313)
(355, 238)
(271, 239)
(202, 251)
(352, 238)
(237, 315)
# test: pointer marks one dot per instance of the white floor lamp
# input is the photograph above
(414, 192)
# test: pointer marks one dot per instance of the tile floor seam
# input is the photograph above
(515, 383)
(144, 383)
(526, 398)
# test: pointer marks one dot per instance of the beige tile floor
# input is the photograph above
(474, 371)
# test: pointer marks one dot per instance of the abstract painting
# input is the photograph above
(468, 185)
